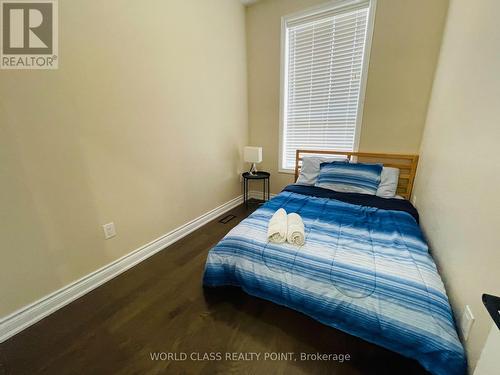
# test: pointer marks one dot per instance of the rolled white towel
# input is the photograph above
(277, 228)
(295, 232)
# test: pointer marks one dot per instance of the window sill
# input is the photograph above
(286, 171)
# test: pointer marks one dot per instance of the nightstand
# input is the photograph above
(264, 176)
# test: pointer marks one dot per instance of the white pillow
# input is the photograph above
(310, 168)
(388, 182)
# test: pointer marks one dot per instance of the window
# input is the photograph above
(324, 63)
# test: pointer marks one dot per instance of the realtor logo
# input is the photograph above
(29, 37)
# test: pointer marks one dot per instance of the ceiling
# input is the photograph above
(248, 2)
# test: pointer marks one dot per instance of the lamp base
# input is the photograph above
(253, 170)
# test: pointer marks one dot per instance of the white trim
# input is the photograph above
(257, 194)
(328, 5)
(36, 311)
(283, 74)
(364, 74)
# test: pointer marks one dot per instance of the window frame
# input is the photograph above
(332, 5)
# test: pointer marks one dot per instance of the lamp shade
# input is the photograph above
(252, 154)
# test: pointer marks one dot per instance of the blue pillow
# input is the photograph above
(350, 177)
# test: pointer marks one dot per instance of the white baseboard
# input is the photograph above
(256, 194)
(30, 314)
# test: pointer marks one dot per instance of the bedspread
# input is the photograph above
(364, 270)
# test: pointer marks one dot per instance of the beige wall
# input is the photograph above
(142, 125)
(458, 180)
(488, 362)
(405, 46)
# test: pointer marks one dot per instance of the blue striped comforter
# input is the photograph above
(364, 270)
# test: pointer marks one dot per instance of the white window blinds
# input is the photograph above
(323, 64)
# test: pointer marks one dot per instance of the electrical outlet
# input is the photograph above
(109, 230)
(466, 322)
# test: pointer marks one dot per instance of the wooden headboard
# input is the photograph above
(407, 165)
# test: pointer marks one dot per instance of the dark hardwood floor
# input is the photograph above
(160, 306)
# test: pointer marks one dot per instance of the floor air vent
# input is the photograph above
(226, 219)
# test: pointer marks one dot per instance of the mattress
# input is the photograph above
(365, 269)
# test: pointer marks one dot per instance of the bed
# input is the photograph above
(364, 269)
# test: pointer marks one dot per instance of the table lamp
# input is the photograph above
(252, 155)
